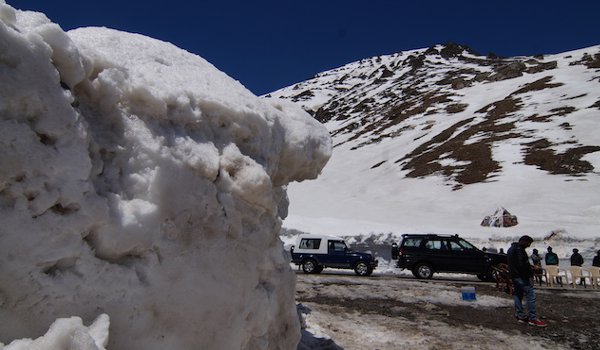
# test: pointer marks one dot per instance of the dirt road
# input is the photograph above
(392, 312)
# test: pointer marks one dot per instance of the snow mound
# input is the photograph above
(139, 181)
(68, 333)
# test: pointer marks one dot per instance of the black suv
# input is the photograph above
(426, 254)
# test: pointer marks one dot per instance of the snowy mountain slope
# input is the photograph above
(432, 140)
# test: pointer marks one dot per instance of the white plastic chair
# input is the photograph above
(577, 273)
(594, 275)
(553, 273)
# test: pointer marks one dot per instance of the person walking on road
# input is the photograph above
(521, 274)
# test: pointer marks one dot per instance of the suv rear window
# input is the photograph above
(310, 243)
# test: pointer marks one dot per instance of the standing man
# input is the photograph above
(521, 274)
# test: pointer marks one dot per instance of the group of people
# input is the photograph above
(551, 258)
(522, 273)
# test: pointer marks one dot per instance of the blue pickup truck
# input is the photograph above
(315, 252)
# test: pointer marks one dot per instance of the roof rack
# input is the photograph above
(428, 235)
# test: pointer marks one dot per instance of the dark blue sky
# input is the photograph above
(269, 44)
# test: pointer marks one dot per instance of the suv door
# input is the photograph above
(438, 252)
(468, 257)
(336, 254)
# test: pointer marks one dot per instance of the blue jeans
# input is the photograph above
(524, 288)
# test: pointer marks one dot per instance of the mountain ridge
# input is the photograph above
(372, 99)
(434, 139)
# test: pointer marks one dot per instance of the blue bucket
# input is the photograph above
(468, 293)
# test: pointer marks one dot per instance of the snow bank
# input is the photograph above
(68, 333)
(138, 181)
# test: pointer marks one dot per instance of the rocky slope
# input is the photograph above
(456, 105)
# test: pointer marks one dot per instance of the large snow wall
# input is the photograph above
(138, 181)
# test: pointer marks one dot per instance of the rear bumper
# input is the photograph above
(404, 263)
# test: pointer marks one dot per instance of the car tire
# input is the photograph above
(318, 269)
(423, 271)
(310, 266)
(362, 269)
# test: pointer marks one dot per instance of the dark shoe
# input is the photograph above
(522, 319)
(537, 323)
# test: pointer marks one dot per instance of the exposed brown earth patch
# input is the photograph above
(539, 153)
(508, 71)
(539, 118)
(576, 97)
(560, 112)
(538, 67)
(537, 85)
(395, 115)
(456, 107)
(590, 61)
(304, 95)
(566, 126)
(473, 161)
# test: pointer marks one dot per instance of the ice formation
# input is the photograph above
(138, 181)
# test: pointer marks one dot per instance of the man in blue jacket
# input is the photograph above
(521, 274)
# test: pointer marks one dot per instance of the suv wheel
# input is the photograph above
(362, 269)
(310, 266)
(423, 270)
